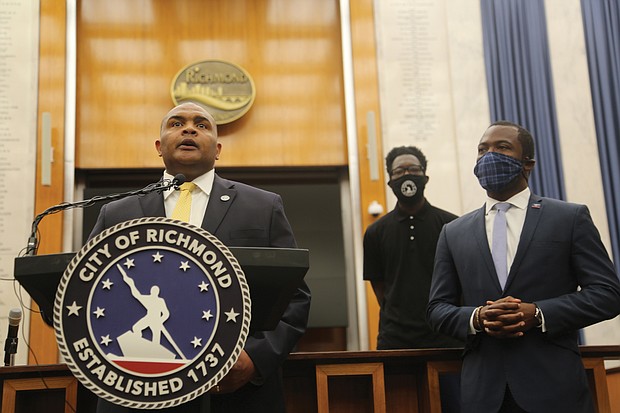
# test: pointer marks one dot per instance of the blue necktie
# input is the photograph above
(499, 245)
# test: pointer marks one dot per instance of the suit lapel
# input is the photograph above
(222, 196)
(153, 205)
(532, 217)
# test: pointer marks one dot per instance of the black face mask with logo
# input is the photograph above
(409, 189)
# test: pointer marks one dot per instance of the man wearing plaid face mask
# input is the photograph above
(495, 170)
(520, 302)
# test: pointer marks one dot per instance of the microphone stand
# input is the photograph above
(160, 186)
(10, 349)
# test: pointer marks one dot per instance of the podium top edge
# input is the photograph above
(247, 256)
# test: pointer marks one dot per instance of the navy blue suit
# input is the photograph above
(559, 251)
(240, 216)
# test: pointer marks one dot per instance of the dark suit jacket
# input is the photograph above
(250, 217)
(559, 250)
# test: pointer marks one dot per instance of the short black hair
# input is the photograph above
(524, 136)
(404, 150)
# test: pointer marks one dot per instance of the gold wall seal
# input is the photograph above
(224, 89)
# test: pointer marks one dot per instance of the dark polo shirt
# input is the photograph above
(399, 249)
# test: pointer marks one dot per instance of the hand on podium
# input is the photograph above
(241, 373)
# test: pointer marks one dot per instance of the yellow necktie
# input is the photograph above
(184, 204)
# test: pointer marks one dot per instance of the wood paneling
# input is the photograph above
(366, 82)
(341, 400)
(411, 379)
(613, 384)
(35, 389)
(51, 99)
(130, 51)
(597, 378)
(405, 374)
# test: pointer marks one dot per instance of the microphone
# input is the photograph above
(179, 179)
(160, 186)
(10, 345)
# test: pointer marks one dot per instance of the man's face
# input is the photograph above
(188, 141)
(502, 139)
(406, 164)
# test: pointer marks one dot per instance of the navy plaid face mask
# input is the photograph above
(496, 170)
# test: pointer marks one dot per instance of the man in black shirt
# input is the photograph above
(399, 252)
(399, 255)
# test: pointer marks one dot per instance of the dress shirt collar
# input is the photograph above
(204, 182)
(519, 200)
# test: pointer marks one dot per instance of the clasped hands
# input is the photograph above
(507, 317)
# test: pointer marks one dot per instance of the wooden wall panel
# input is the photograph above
(130, 51)
(367, 99)
(613, 384)
(51, 99)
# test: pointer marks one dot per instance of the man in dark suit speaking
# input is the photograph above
(238, 215)
(518, 278)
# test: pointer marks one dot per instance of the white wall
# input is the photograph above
(433, 92)
(19, 26)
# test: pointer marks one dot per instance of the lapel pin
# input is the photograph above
(225, 198)
(536, 206)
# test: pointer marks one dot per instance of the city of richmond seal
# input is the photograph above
(152, 313)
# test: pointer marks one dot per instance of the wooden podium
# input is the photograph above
(391, 381)
(45, 389)
(398, 381)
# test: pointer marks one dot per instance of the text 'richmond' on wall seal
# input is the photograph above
(225, 89)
